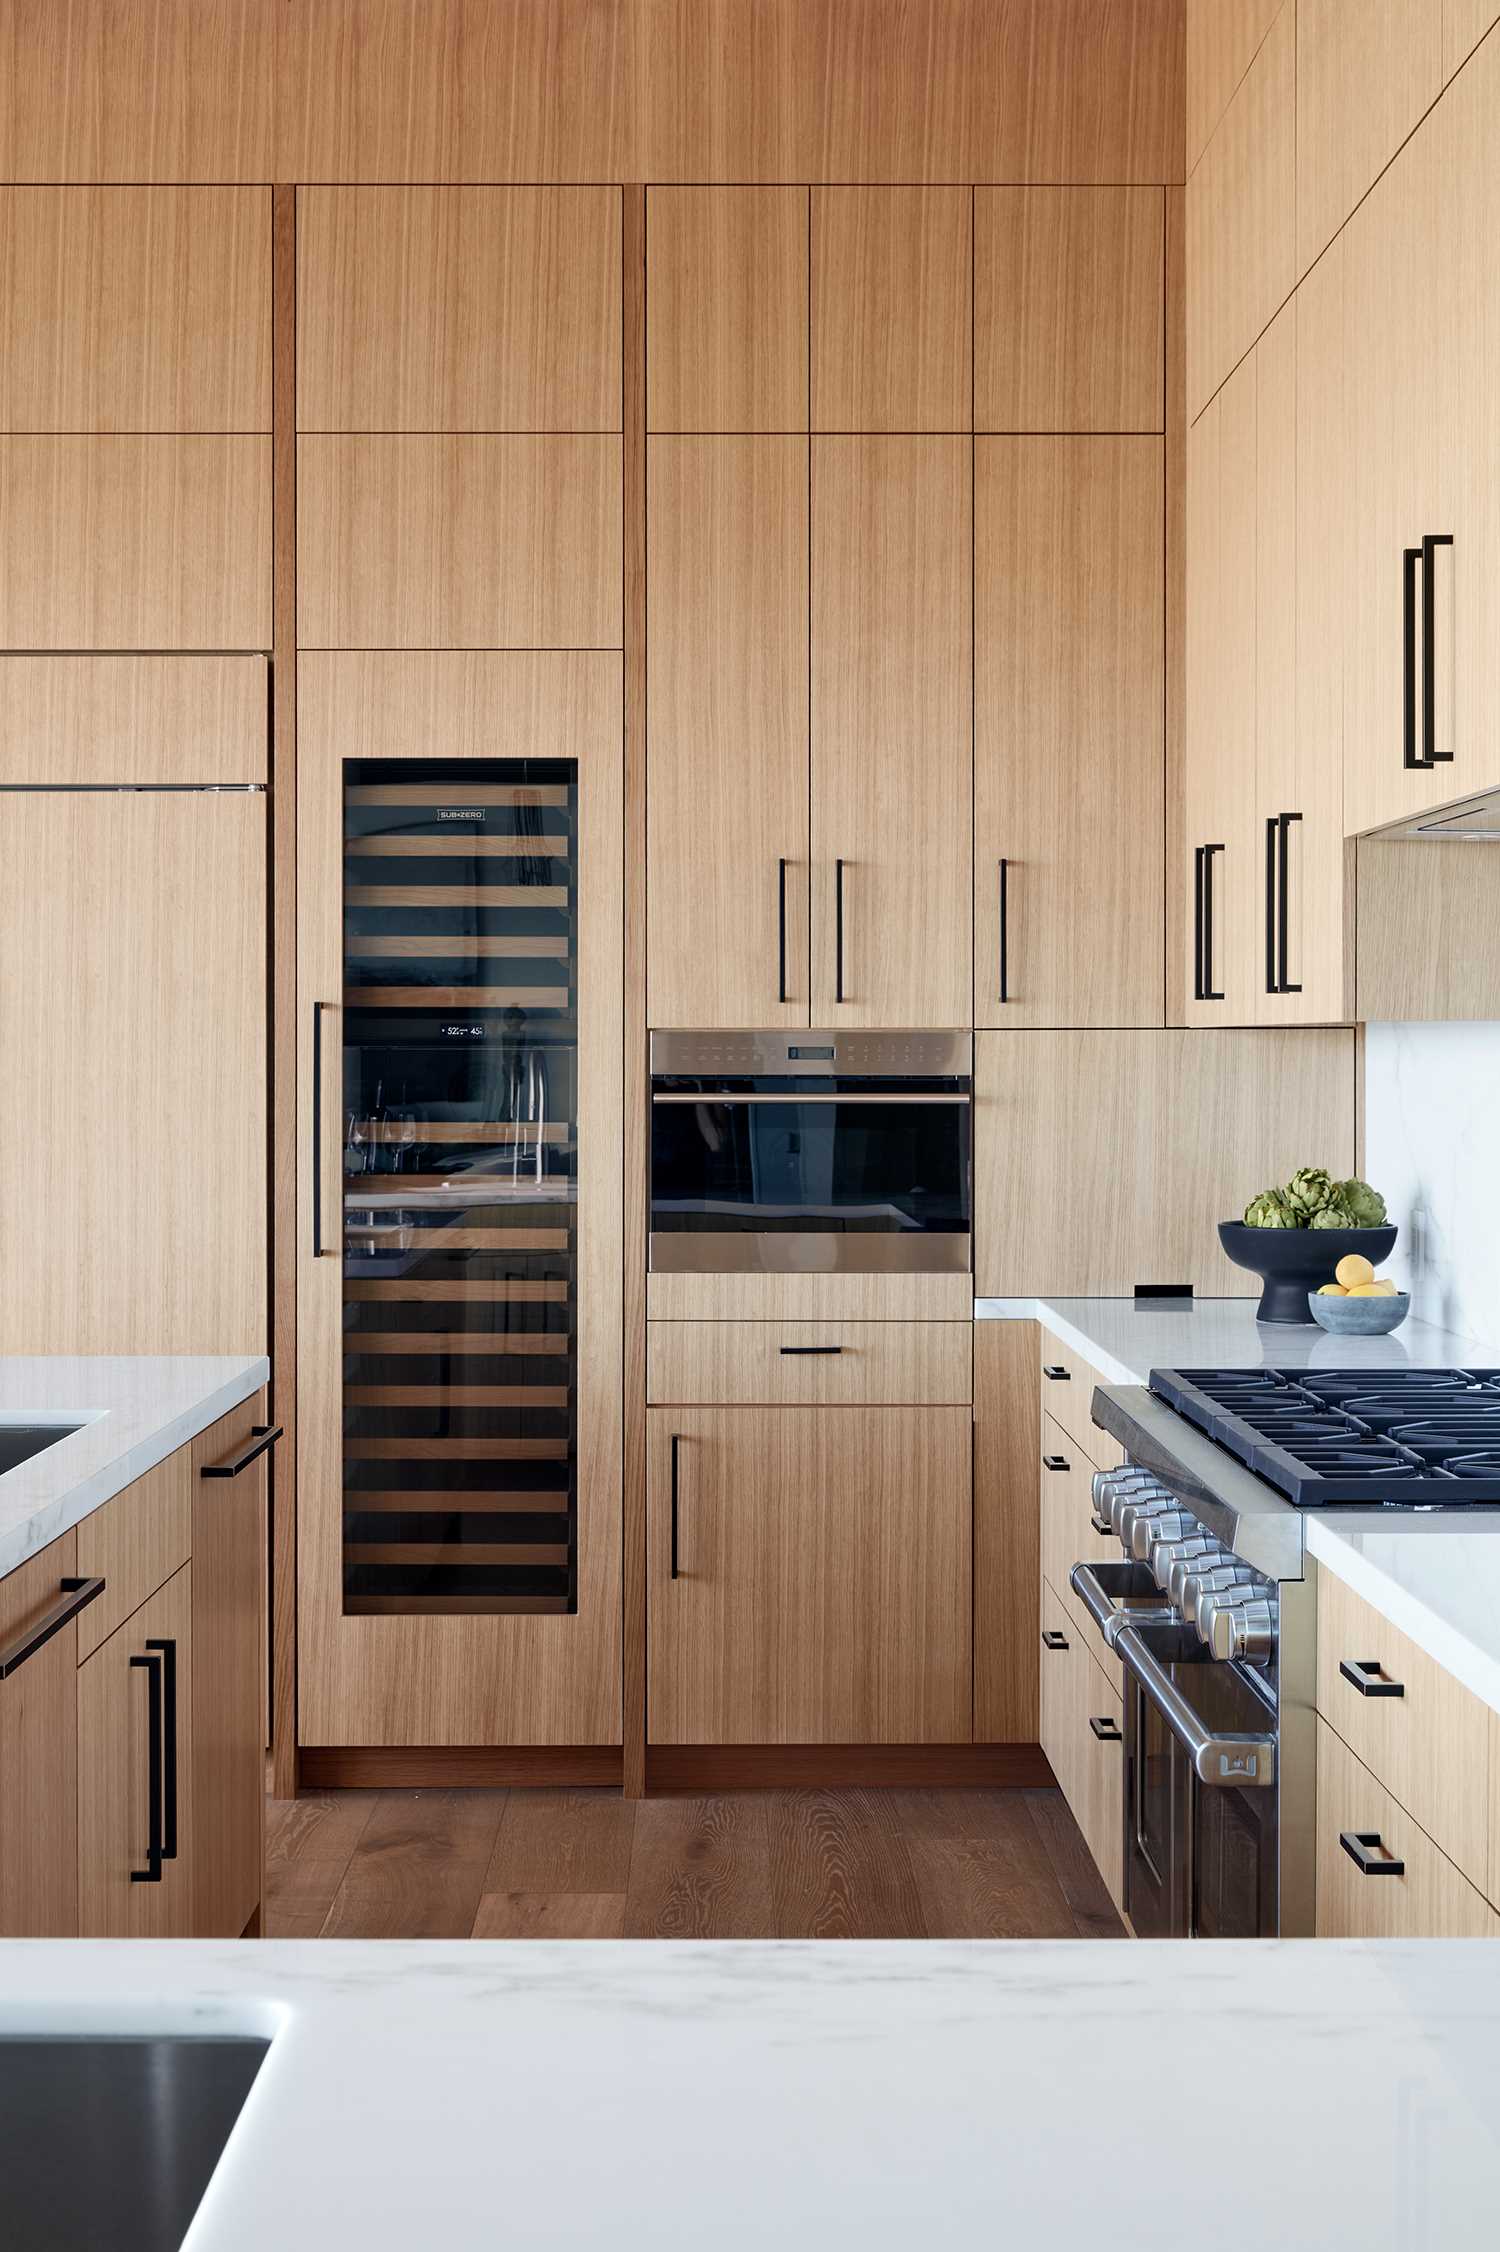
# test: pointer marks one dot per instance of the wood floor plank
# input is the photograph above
(551, 1915)
(309, 1844)
(1093, 1911)
(968, 1892)
(563, 1841)
(700, 1869)
(418, 1870)
(841, 1867)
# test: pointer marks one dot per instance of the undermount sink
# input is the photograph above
(20, 1441)
(111, 2141)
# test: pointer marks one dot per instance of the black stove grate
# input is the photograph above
(1400, 1438)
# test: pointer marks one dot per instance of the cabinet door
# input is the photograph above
(726, 309)
(727, 806)
(1241, 213)
(135, 1769)
(892, 731)
(892, 309)
(1366, 71)
(1068, 909)
(809, 1575)
(39, 1750)
(1006, 1424)
(1068, 329)
(229, 1671)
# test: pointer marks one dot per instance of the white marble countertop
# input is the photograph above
(666, 2094)
(132, 1413)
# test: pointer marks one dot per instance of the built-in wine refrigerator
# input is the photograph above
(460, 980)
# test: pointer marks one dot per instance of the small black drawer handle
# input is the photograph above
(264, 1437)
(803, 1351)
(1361, 1847)
(1052, 1640)
(1056, 1374)
(1369, 1678)
(1107, 1730)
(76, 1595)
(1101, 1525)
(1054, 1462)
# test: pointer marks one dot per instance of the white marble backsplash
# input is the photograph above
(1432, 1146)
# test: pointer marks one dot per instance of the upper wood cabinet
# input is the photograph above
(1366, 71)
(39, 1750)
(1068, 778)
(459, 542)
(892, 309)
(135, 310)
(1465, 23)
(92, 720)
(726, 309)
(1106, 1159)
(458, 309)
(727, 730)
(1241, 216)
(1222, 39)
(892, 731)
(1068, 309)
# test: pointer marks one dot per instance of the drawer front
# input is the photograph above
(1429, 1746)
(1067, 1382)
(1062, 1657)
(810, 1364)
(1428, 1898)
(1100, 1809)
(120, 1816)
(135, 1543)
(1068, 1536)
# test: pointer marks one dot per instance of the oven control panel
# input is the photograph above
(1232, 1608)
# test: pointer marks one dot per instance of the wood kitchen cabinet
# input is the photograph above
(1365, 75)
(892, 309)
(1241, 206)
(228, 1470)
(726, 309)
(809, 1575)
(1006, 1429)
(1069, 676)
(39, 1744)
(135, 1755)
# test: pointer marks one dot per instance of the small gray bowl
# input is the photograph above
(1359, 1317)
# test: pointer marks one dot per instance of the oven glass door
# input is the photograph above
(1200, 1860)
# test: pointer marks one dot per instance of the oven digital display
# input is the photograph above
(810, 1055)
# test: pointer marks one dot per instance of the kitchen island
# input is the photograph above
(872, 2094)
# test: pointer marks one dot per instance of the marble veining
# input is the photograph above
(1432, 1095)
(133, 1413)
(483, 2093)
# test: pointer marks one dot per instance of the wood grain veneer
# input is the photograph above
(113, 1792)
(726, 309)
(810, 1364)
(134, 1544)
(229, 1535)
(1241, 216)
(1427, 1899)
(1006, 1428)
(1365, 75)
(90, 720)
(39, 1756)
(1068, 328)
(1223, 37)
(892, 309)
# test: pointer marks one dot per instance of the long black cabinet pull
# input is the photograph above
(151, 1874)
(781, 930)
(1284, 983)
(168, 1653)
(675, 1444)
(263, 1436)
(1198, 993)
(803, 1351)
(1365, 1850)
(1431, 755)
(1410, 756)
(838, 930)
(1004, 903)
(1370, 1678)
(1106, 1729)
(317, 1128)
(1273, 836)
(1052, 1640)
(1209, 992)
(77, 1594)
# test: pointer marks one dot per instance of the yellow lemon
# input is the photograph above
(1365, 1290)
(1354, 1269)
(1385, 1289)
(1332, 1290)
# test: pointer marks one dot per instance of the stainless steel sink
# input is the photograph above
(112, 2141)
(20, 1441)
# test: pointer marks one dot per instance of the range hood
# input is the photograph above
(1476, 817)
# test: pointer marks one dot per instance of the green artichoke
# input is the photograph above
(1334, 1215)
(1270, 1210)
(1308, 1190)
(1367, 1204)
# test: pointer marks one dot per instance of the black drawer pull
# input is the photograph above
(263, 1437)
(1360, 1845)
(801, 1352)
(1052, 1640)
(168, 1651)
(676, 1442)
(151, 1874)
(1107, 1730)
(1369, 1678)
(1054, 1462)
(1057, 1374)
(1101, 1525)
(75, 1596)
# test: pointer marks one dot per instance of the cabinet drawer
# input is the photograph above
(1428, 1745)
(1062, 1655)
(1081, 1731)
(810, 1364)
(1427, 1899)
(140, 1680)
(135, 1543)
(1068, 1381)
(1068, 1536)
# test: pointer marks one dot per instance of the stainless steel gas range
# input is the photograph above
(1212, 1608)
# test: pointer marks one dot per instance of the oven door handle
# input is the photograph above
(1098, 1596)
(1234, 1761)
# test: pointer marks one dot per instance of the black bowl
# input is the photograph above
(1294, 1261)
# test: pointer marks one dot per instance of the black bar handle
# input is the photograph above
(77, 1594)
(1209, 991)
(168, 1650)
(1273, 834)
(263, 1437)
(1360, 1845)
(1369, 1678)
(317, 1128)
(1106, 1729)
(781, 930)
(151, 1874)
(1198, 993)
(1284, 983)
(1052, 1640)
(1100, 1525)
(838, 930)
(675, 1444)
(794, 1352)
(1431, 755)
(1410, 558)
(1004, 931)
(1054, 1462)
(1055, 1373)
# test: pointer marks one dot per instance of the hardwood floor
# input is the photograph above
(571, 1864)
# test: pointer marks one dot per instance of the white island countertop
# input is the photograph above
(132, 1413)
(672, 2094)
(1435, 1574)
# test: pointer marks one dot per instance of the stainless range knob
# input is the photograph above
(1169, 1524)
(1243, 1629)
(1165, 1556)
(1130, 1513)
(1216, 1579)
(1190, 1569)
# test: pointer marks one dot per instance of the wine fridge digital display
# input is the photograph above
(460, 1108)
